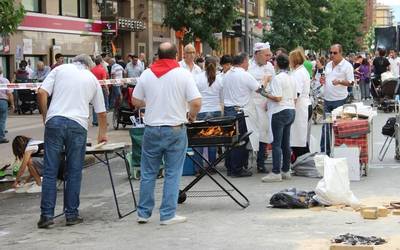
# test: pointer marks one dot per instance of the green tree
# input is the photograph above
(201, 18)
(321, 35)
(347, 16)
(10, 16)
(291, 23)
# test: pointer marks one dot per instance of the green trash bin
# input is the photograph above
(136, 134)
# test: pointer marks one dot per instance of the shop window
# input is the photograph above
(32, 5)
(75, 8)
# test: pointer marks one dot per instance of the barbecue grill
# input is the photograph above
(218, 131)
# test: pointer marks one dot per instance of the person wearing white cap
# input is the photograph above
(262, 70)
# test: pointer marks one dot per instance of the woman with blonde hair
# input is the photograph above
(300, 126)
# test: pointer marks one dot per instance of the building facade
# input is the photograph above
(70, 27)
(383, 16)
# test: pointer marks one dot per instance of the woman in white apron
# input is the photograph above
(300, 127)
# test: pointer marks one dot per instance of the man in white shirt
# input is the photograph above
(72, 87)
(134, 68)
(339, 74)
(394, 61)
(261, 69)
(117, 72)
(238, 88)
(164, 89)
(188, 60)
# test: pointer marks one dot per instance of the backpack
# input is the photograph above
(388, 128)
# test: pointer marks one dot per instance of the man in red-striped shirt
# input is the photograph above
(101, 74)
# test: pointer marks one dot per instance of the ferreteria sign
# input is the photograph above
(62, 24)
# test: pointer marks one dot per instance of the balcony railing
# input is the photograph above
(250, 4)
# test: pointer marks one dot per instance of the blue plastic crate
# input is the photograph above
(188, 167)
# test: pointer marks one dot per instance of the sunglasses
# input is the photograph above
(333, 52)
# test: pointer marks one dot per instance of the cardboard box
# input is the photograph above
(396, 212)
(371, 214)
(383, 212)
(350, 247)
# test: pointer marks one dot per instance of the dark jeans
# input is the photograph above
(327, 128)
(63, 135)
(261, 155)
(212, 151)
(239, 156)
(280, 124)
(3, 117)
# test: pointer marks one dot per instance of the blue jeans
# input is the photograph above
(170, 144)
(327, 128)
(63, 135)
(3, 117)
(212, 151)
(238, 158)
(281, 123)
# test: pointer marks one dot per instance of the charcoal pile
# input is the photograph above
(352, 239)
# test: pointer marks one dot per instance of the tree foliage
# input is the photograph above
(201, 18)
(10, 16)
(315, 24)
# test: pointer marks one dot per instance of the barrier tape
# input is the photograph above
(34, 86)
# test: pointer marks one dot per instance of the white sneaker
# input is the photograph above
(35, 188)
(142, 220)
(177, 219)
(271, 177)
(286, 175)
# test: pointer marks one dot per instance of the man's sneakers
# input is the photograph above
(35, 188)
(242, 173)
(45, 222)
(272, 177)
(4, 140)
(73, 221)
(175, 220)
(142, 220)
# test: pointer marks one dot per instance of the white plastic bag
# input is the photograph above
(334, 188)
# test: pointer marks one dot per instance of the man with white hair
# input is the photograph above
(72, 87)
(262, 70)
(117, 72)
(188, 60)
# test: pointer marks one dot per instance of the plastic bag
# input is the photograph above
(334, 187)
(292, 198)
(305, 166)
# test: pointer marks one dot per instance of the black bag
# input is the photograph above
(388, 128)
(291, 198)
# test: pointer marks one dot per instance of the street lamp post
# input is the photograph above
(246, 26)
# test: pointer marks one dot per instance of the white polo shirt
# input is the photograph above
(166, 97)
(238, 86)
(282, 85)
(72, 88)
(258, 72)
(343, 71)
(212, 96)
(195, 70)
(395, 66)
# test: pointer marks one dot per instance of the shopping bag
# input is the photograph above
(334, 187)
(136, 134)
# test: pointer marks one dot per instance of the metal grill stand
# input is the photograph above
(211, 169)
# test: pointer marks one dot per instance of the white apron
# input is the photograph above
(299, 128)
(251, 123)
(262, 120)
(270, 135)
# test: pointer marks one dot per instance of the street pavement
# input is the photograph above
(213, 223)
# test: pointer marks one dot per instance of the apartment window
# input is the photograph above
(75, 8)
(158, 12)
(32, 5)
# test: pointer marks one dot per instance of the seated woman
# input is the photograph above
(29, 151)
(281, 94)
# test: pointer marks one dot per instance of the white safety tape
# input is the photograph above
(33, 85)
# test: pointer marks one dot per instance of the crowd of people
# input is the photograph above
(268, 93)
